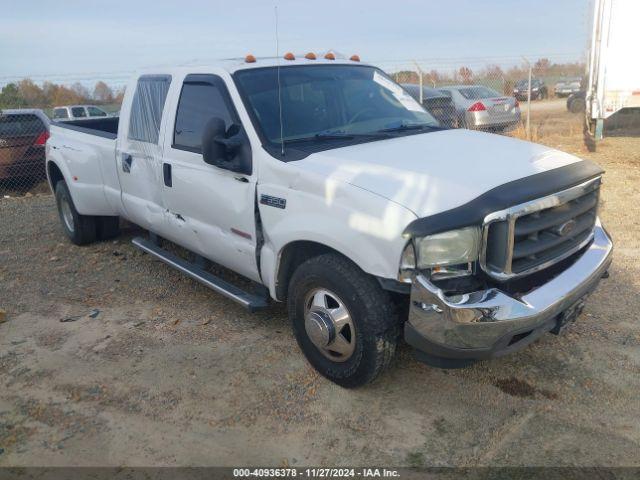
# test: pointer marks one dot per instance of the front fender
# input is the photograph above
(362, 226)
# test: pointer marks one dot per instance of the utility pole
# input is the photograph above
(528, 125)
(420, 79)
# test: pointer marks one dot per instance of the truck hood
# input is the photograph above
(433, 172)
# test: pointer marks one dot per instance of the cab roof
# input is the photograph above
(233, 65)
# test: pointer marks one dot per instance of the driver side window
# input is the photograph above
(199, 102)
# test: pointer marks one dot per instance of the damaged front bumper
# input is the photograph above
(491, 323)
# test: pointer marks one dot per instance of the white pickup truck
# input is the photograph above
(329, 187)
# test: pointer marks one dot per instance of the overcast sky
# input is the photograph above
(70, 40)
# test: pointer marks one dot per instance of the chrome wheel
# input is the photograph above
(329, 325)
(67, 216)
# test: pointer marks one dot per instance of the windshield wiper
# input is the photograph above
(336, 136)
(410, 126)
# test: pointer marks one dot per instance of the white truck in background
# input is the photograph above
(614, 69)
(326, 185)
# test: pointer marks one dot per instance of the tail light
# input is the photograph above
(477, 107)
(42, 138)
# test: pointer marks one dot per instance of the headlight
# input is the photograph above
(448, 248)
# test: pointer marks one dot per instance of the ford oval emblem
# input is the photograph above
(566, 228)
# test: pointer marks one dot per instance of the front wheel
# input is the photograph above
(344, 322)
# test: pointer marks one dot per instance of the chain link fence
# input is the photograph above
(23, 134)
(514, 96)
(510, 96)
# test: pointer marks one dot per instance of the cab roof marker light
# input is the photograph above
(250, 59)
(355, 58)
(330, 56)
(310, 56)
(289, 56)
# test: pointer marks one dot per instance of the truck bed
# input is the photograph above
(85, 151)
(106, 127)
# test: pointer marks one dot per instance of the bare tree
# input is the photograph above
(31, 93)
(81, 91)
(119, 95)
(466, 74)
(103, 93)
(541, 67)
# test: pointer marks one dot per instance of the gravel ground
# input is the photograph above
(169, 373)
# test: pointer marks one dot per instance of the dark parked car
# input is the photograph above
(567, 86)
(576, 102)
(437, 103)
(539, 90)
(23, 134)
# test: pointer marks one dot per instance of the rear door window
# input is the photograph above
(147, 106)
(78, 112)
(96, 112)
(60, 113)
(202, 98)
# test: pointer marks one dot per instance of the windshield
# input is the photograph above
(321, 102)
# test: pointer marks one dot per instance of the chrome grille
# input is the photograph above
(537, 234)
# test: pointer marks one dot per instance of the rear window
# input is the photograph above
(60, 113)
(477, 93)
(147, 107)
(78, 112)
(20, 125)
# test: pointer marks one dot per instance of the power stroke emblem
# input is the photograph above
(276, 202)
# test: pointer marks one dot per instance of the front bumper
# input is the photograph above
(491, 323)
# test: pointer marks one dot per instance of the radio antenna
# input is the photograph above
(275, 8)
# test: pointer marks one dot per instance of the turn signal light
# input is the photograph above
(310, 56)
(289, 56)
(250, 59)
(477, 107)
(330, 56)
(355, 58)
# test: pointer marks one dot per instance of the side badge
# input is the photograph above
(273, 201)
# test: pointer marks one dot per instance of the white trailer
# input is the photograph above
(614, 72)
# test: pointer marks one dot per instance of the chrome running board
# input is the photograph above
(248, 300)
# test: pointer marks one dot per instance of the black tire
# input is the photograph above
(107, 227)
(82, 229)
(371, 309)
(577, 105)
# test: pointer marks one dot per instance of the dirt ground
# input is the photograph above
(169, 373)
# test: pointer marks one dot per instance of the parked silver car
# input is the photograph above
(482, 108)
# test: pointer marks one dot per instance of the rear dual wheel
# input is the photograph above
(82, 229)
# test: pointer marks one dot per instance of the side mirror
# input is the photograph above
(226, 148)
(213, 152)
(219, 145)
